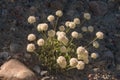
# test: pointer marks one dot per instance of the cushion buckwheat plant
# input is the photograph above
(56, 48)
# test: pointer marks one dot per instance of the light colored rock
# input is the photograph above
(44, 73)
(46, 78)
(13, 69)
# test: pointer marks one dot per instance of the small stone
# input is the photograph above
(15, 48)
(56, 5)
(72, 14)
(45, 78)
(99, 8)
(27, 55)
(4, 55)
(117, 59)
(90, 76)
(96, 69)
(37, 69)
(33, 10)
(77, 5)
(43, 73)
(4, 12)
(107, 55)
(15, 70)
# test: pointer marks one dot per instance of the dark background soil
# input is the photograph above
(14, 29)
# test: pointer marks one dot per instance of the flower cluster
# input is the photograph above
(56, 48)
(82, 54)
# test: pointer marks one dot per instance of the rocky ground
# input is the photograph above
(14, 29)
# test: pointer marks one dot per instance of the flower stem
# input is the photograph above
(91, 42)
(56, 23)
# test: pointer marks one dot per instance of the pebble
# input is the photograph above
(43, 73)
(108, 56)
(15, 48)
(99, 8)
(118, 66)
(96, 69)
(46, 78)
(117, 57)
(56, 5)
(37, 69)
(4, 55)
(27, 55)
(109, 59)
(33, 10)
(77, 5)
(72, 14)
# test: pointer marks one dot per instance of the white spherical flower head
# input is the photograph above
(100, 35)
(87, 16)
(72, 25)
(94, 55)
(86, 53)
(79, 57)
(80, 50)
(60, 33)
(30, 47)
(63, 39)
(42, 27)
(51, 33)
(40, 42)
(62, 28)
(76, 21)
(67, 23)
(90, 28)
(59, 13)
(31, 19)
(74, 34)
(95, 44)
(31, 37)
(63, 65)
(83, 55)
(73, 62)
(80, 65)
(60, 37)
(84, 29)
(50, 18)
(61, 61)
(63, 49)
(57, 33)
